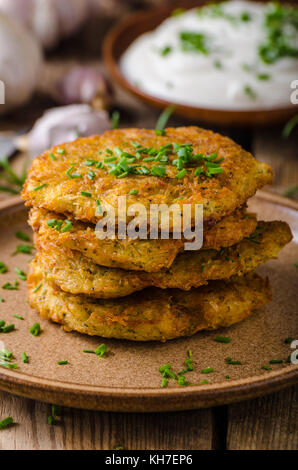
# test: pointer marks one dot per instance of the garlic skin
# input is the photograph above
(20, 63)
(84, 84)
(65, 124)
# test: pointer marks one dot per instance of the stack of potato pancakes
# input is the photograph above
(148, 289)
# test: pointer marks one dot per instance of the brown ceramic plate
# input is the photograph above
(127, 30)
(128, 379)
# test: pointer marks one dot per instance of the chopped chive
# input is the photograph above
(4, 423)
(35, 329)
(91, 175)
(9, 286)
(72, 175)
(208, 370)
(89, 351)
(68, 226)
(25, 358)
(37, 288)
(41, 186)
(3, 268)
(101, 350)
(276, 361)
(133, 192)
(25, 249)
(204, 382)
(250, 92)
(181, 173)
(263, 76)
(61, 151)
(266, 368)
(290, 125)
(51, 222)
(165, 50)
(18, 316)
(51, 420)
(52, 156)
(7, 328)
(22, 236)
(233, 363)
(110, 159)
(21, 274)
(83, 193)
(227, 377)
(158, 171)
(160, 132)
(99, 208)
(62, 363)
(182, 380)
(115, 119)
(164, 117)
(223, 339)
(2, 300)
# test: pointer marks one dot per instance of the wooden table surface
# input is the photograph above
(268, 422)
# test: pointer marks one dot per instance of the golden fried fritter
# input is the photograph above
(145, 255)
(61, 177)
(153, 314)
(74, 273)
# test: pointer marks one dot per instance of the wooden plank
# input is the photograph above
(282, 154)
(266, 423)
(90, 430)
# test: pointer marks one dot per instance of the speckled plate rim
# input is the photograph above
(134, 399)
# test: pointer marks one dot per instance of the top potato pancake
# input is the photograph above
(58, 177)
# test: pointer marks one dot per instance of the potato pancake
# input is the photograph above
(144, 255)
(74, 273)
(77, 176)
(153, 314)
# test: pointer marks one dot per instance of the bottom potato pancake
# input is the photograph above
(74, 273)
(143, 255)
(152, 314)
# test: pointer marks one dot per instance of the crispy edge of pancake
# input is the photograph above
(242, 175)
(74, 273)
(144, 255)
(153, 314)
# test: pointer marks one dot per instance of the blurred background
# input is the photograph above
(51, 58)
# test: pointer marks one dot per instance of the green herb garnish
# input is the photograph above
(115, 119)
(37, 288)
(101, 350)
(25, 358)
(223, 339)
(3, 268)
(18, 316)
(233, 363)
(35, 329)
(62, 363)
(21, 274)
(9, 286)
(208, 370)
(22, 236)
(41, 186)
(6, 422)
(25, 249)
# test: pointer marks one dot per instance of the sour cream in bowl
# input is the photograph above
(233, 56)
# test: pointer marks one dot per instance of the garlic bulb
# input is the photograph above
(48, 20)
(84, 84)
(20, 62)
(64, 124)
